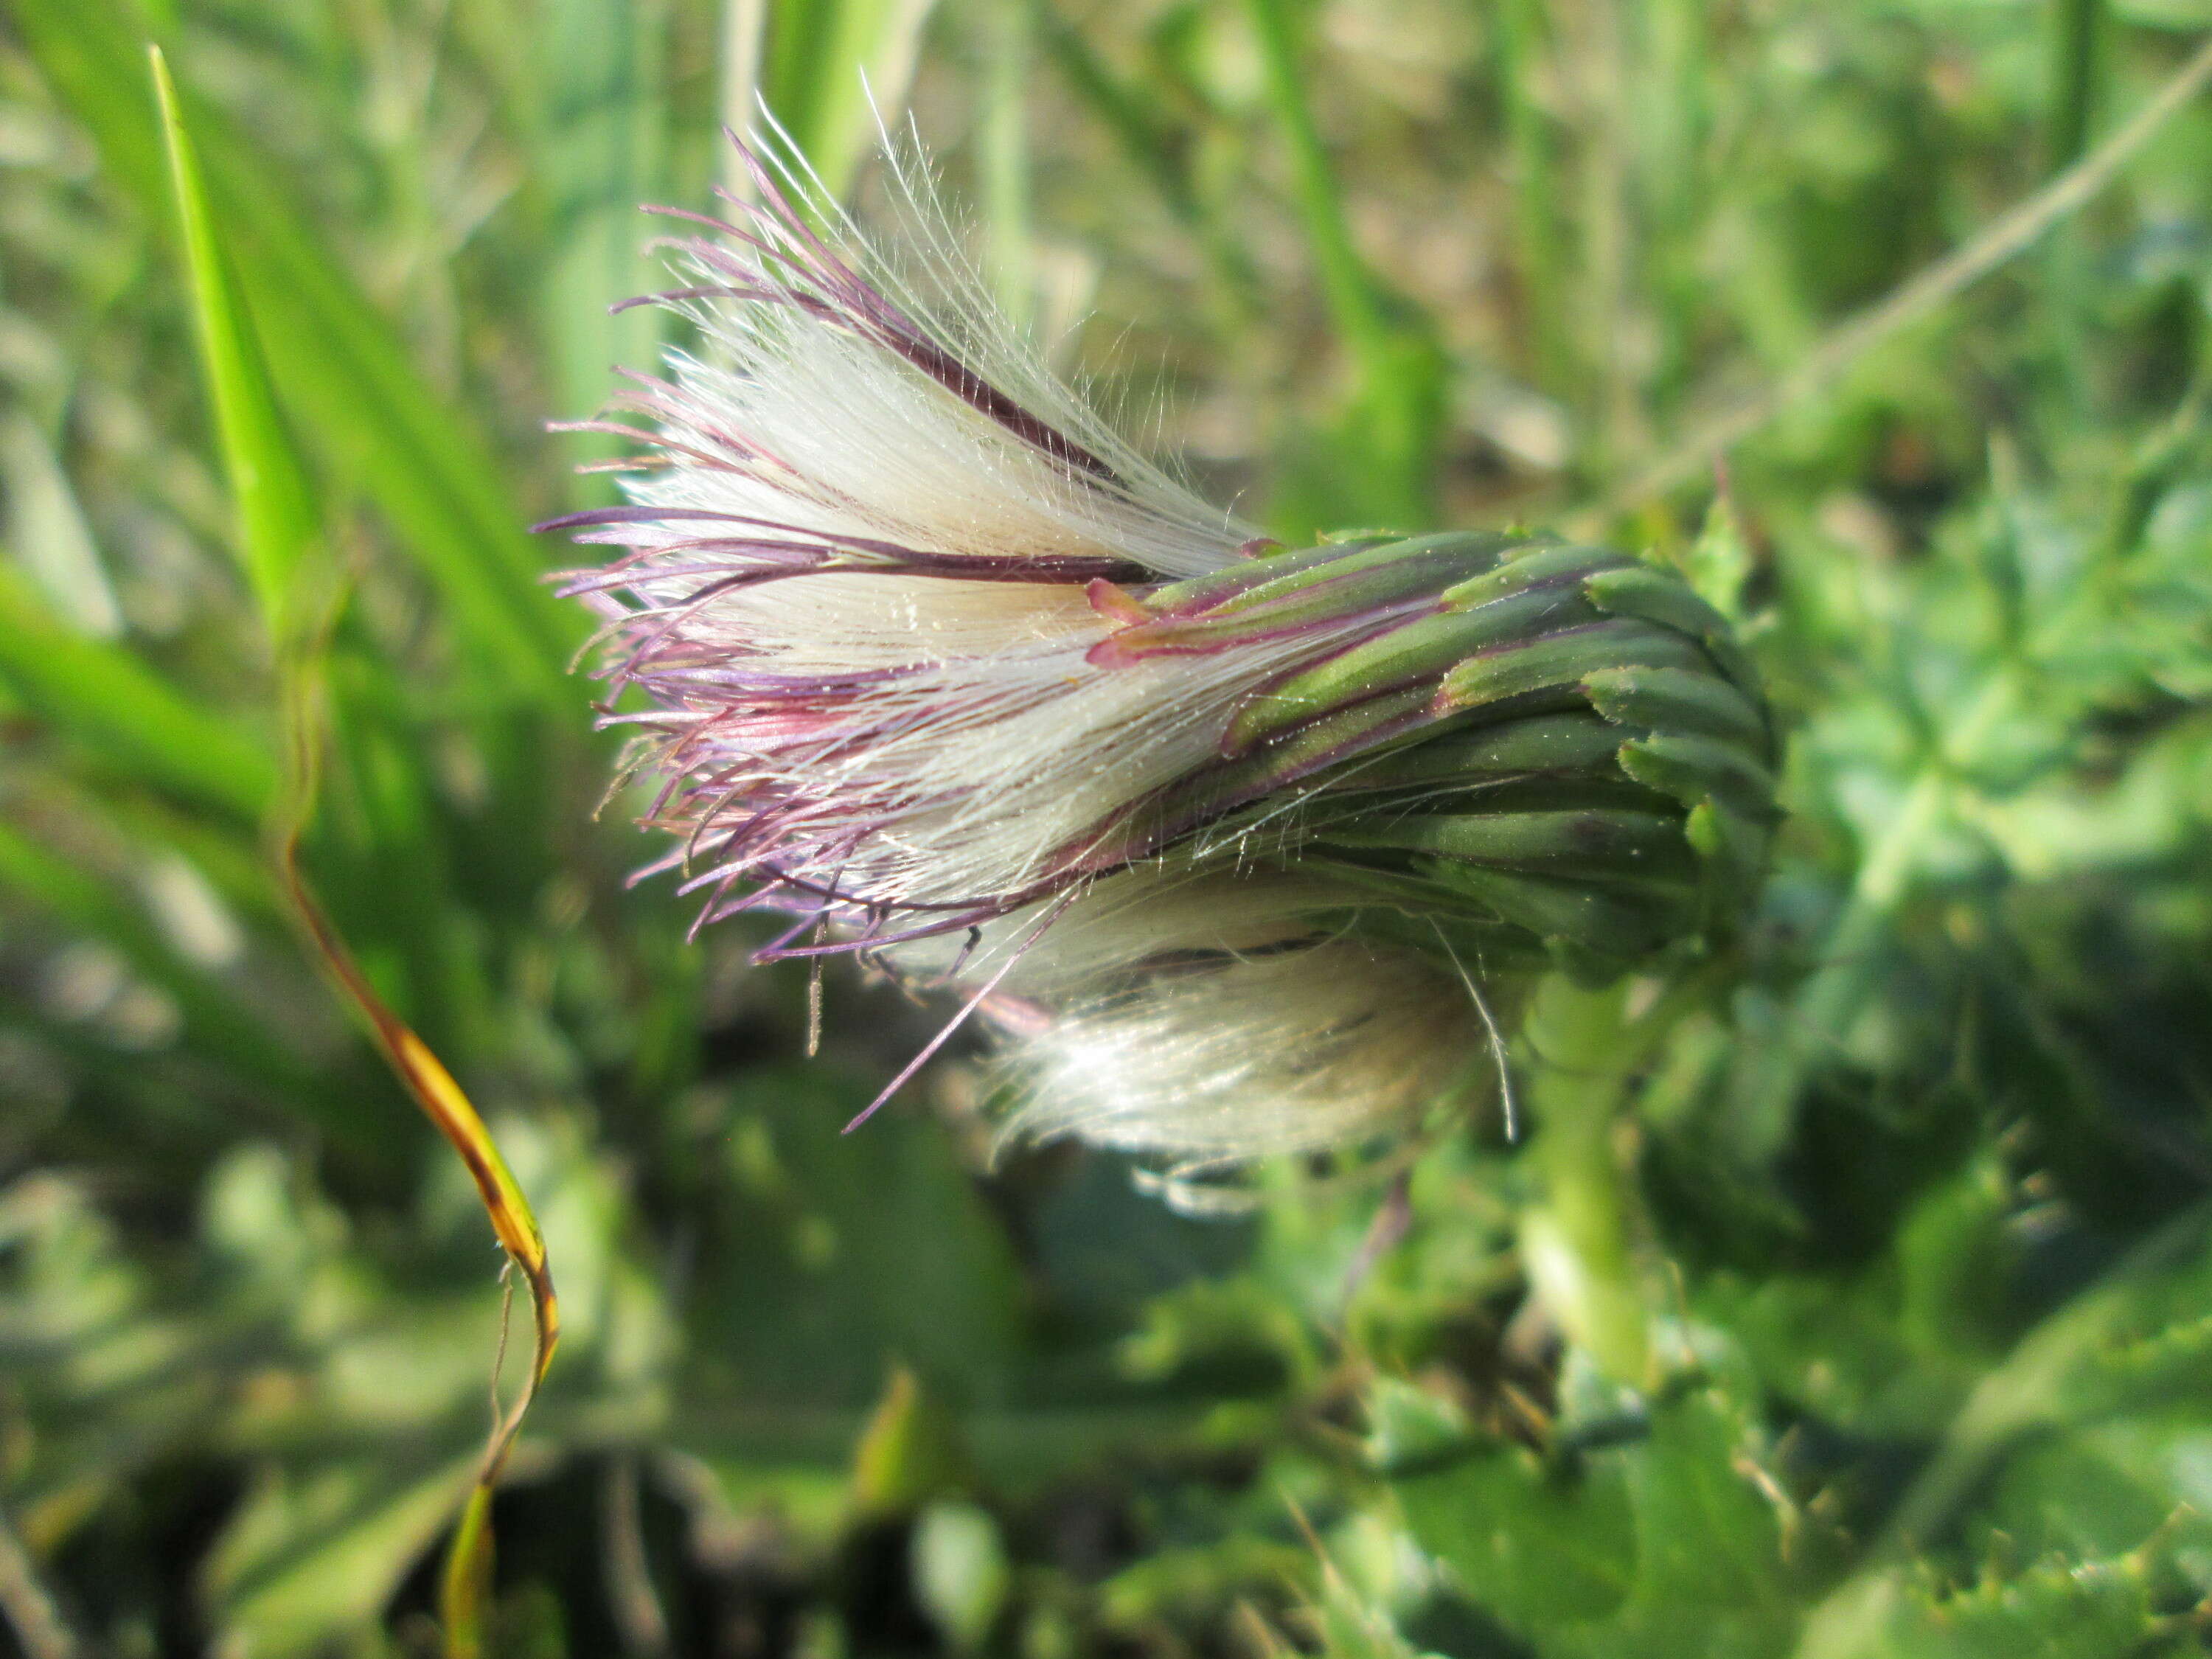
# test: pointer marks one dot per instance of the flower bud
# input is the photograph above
(1237, 845)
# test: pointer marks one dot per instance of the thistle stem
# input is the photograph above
(1576, 1238)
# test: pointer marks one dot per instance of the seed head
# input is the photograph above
(1236, 845)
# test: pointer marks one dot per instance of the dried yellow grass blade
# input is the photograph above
(279, 531)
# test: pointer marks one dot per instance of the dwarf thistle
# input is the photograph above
(1241, 848)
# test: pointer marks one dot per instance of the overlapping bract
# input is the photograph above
(1237, 843)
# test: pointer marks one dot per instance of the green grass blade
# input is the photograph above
(279, 529)
(103, 697)
(1378, 463)
(602, 145)
(826, 60)
(1153, 150)
(1003, 159)
(276, 519)
(1356, 300)
(216, 1026)
(337, 362)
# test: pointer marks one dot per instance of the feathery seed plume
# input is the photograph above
(1238, 847)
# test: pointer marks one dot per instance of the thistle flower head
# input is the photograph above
(1236, 844)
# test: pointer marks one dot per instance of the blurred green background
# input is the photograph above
(1925, 1207)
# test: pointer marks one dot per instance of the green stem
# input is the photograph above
(1355, 299)
(1153, 150)
(1378, 460)
(30, 1611)
(1002, 142)
(2076, 49)
(1577, 1240)
(1530, 147)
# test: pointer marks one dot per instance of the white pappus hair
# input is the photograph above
(874, 555)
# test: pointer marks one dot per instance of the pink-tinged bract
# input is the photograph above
(1236, 845)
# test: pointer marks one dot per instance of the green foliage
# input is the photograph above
(1911, 1199)
(276, 528)
(822, 62)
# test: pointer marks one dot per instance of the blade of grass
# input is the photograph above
(337, 370)
(279, 534)
(831, 66)
(277, 526)
(1002, 158)
(1356, 300)
(335, 360)
(1151, 148)
(1532, 156)
(1385, 450)
(214, 1026)
(405, 915)
(105, 698)
(468, 1561)
(236, 386)
(602, 145)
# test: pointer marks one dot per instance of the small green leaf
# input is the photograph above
(961, 1574)
(309, 1559)
(1536, 1544)
(2057, 1609)
(909, 1453)
(1718, 563)
(1706, 1536)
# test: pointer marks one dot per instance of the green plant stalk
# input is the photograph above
(1235, 287)
(371, 419)
(602, 144)
(278, 528)
(1003, 159)
(1530, 151)
(2076, 54)
(1576, 1239)
(1395, 414)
